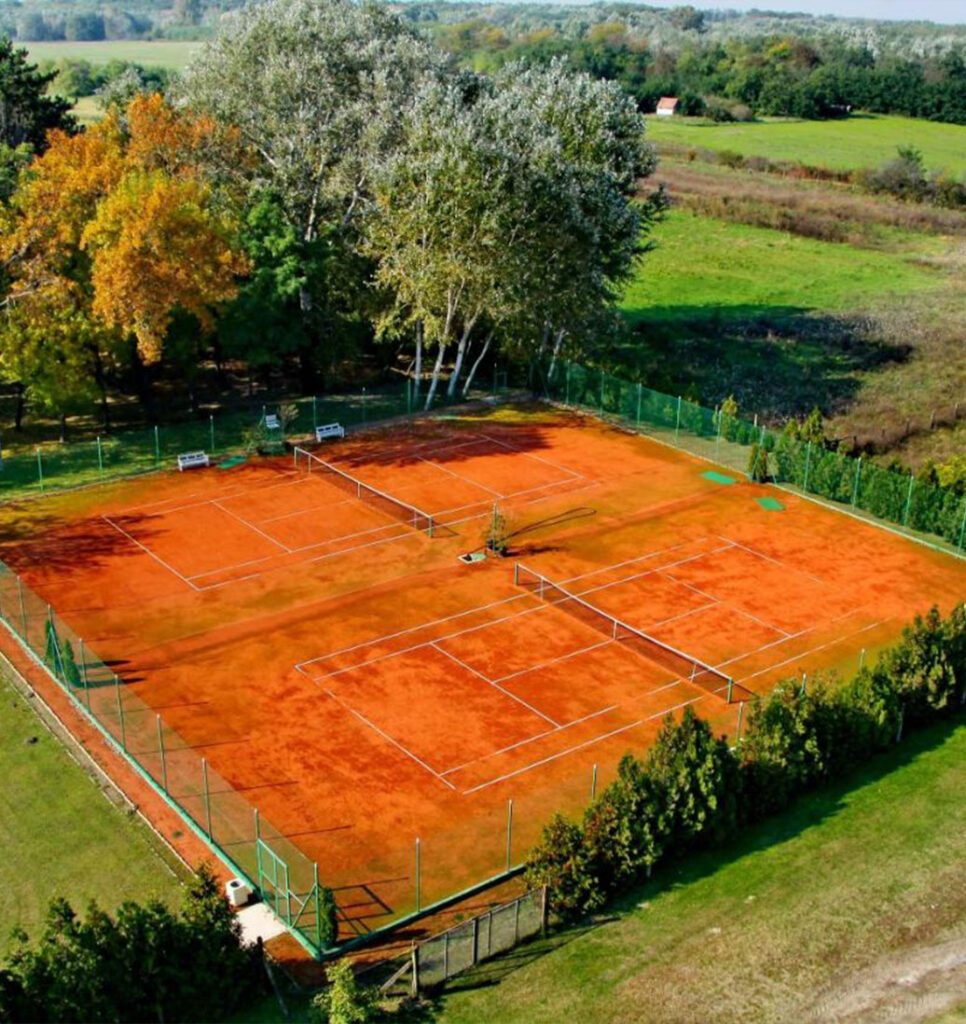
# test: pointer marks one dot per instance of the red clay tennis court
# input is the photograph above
(305, 625)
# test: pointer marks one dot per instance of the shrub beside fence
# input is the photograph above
(866, 489)
(693, 790)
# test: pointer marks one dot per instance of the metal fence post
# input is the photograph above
(905, 514)
(509, 833)
(207, 796)
(318, 906)
(23, 607)
(120, 712)
(962, 528)
(567, 399)
(40, 470)
(717, 436)
(418, 900)
(157, 445)
(808, 463)
(677, 421)
(593, 784)
(164, 763)
(741, 712)
(855, 488)
(100, 457)
(640, 390)
(211, 425)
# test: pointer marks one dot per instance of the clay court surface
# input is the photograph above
(361, 687)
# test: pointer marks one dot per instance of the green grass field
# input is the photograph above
(864, 140)
(166, 54)
(59, 835)
(701, 264)
(825, 903)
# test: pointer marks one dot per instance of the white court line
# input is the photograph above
(406, 533)
(562, 728)
(634, 561)
(496, 686)
(536, 458)
(657, 570)
(385, 637)
(555, 661)
(391, 524)
(148, 551)
(362, 718)
(729, 605)
(580, 746)
(253, 528)
(302, 511)
(463, 479)
(533, 739)
(232, 491)
(812, 650)
(775, 561)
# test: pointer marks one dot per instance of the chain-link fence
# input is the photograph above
(871, 491)
(209, 805)
(56, 467)
(462, 947)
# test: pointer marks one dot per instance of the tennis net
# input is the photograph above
(405, 513)
(685, 666)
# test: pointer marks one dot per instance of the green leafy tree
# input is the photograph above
(144, 963)
(345, 1001)
(318, 90)
(921, 668)
(562, 862)
(700, 781)
(27, 113)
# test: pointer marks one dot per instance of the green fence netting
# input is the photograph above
(865, 488)
(78, 463)
(253, 848)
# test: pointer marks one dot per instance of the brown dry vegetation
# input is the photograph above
(906, 397)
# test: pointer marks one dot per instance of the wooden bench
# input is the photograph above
(329, 430)
(192, 460)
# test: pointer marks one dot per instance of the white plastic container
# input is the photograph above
(238, 892)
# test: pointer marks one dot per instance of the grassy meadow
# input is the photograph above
(862, 140)
(792, 293)
(813, 916)
(59, 834)
(156, 53)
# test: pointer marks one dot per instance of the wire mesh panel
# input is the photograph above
(745, 447)
(205, 800)
(495, 931)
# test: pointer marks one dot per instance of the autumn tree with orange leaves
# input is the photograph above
(112, 236)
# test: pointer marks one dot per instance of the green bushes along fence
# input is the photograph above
(693, 790)
(912, 504)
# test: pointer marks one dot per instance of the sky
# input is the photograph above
(947, 11)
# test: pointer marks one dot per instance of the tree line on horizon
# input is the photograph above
(322, 182)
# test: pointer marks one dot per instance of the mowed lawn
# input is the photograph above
(59, 836)
(156, 53)
(822, 905)
(702, 264)
(863, 140)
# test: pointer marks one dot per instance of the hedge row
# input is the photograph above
(693, 790)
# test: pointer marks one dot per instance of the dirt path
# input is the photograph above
(915, 986)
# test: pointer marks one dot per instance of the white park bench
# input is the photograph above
(329, 430)
(192, 460)
(272, 422)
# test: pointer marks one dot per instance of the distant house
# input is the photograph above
(666, 106)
